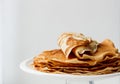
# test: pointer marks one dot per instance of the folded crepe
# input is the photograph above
(78, 44)
(79, 55)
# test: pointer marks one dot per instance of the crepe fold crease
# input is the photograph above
(79, 55)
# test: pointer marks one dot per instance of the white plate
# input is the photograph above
(27, 67)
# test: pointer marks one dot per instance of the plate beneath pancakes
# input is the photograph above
(26, 66)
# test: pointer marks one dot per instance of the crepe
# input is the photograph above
(79, 55)
(67, 41)
(59, 64)
(76, 43)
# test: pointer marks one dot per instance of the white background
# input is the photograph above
(31, 26)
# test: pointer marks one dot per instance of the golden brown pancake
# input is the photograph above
(58, 63)
(79, 55)
(68, 41)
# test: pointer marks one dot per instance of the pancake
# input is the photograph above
(59, 64)
(79, 55)
(68, 41)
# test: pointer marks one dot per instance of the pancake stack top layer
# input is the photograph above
(79, 55)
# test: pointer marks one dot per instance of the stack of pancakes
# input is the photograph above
(79, 55)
